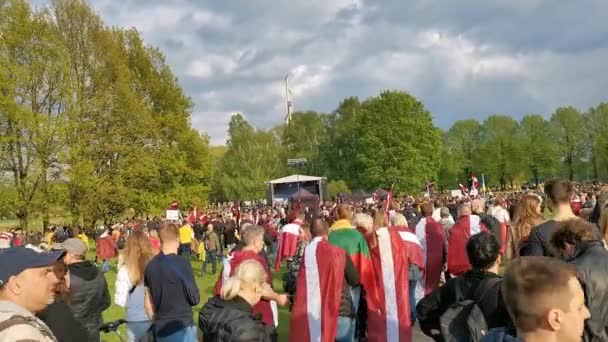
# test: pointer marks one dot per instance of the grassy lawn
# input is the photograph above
(205, 285)
(34, 224)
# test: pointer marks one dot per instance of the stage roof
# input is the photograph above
(295, 179)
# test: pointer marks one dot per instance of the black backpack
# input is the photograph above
(464, 321)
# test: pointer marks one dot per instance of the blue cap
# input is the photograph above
(15, 260)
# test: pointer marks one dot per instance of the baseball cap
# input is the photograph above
(73, 246)
(15, 260)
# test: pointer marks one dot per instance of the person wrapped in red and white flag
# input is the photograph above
(466, 226)
(432, 238)
(288, 241)
(253, 236)
(414, 248)
(389, 315)
(323, 286)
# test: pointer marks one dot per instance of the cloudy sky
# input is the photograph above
(465, 58)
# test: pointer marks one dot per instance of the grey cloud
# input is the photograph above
(469, 58)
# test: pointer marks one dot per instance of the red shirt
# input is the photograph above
(155, 242)
(263, 306)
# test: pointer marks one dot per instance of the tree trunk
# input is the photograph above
(44, 189)
(570, 163)
(596, 173)
(22, 215)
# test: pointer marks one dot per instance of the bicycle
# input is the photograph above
(113, 326)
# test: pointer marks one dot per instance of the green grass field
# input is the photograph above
(34, 224)
(205, 285)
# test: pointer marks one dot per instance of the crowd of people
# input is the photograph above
(489, 268)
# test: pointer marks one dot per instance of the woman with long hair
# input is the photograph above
(528, 215)
(229, 316)
(603, 224)
(130, 284)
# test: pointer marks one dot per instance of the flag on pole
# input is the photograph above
(483, 183)
(387, 205)
(193, 215)
(463, 189)
(474, 181)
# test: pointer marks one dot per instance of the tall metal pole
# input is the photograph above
(288, 112)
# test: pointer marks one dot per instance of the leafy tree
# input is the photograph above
(499, 153)
(596, 122)
(539, 151)
(252, 159)
(461, 143)
(32, 102)
(338, 153)
(336, 187)
(303, 137)
(396, 143)
(569, 133)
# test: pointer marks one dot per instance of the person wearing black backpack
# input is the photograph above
(467, 306)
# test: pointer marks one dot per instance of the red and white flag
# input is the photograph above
(317, 301)
(193, 215)
(288, 242)
(268, 309)
(461, 231)
(414, 248)
(389, 313)
(387, 205)
(474, 181)
(463, 189)
(432, 239)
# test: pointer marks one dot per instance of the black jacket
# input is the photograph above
(493, 226)
(591, 261)
(351, 279)
(431, 307)
(90, 296)
(537, 243)
(60, 319)
(231, 320)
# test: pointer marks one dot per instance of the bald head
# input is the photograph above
(465, 210)
(319, 228)
(477, 206)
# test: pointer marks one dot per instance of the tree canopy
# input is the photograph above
(93, 120)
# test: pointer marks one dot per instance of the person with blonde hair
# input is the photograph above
(253, 237)
(528, 216)
(130, 285)
(603, 225)
(229, 316)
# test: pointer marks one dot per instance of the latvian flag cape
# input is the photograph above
(288, 242)
(389, 316)
(268, 309)
(415, 255)
(317, 301)
(432, 239)
(461, 231)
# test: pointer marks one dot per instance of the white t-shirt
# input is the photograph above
(501, 214)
